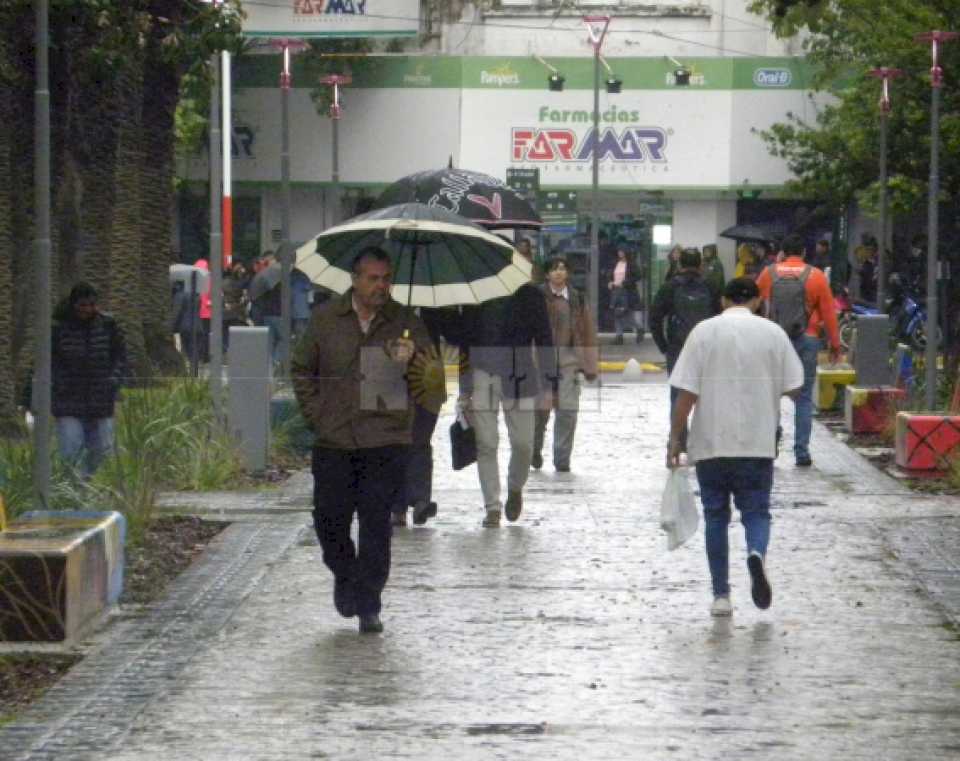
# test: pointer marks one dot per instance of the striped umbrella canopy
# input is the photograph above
(439, 258)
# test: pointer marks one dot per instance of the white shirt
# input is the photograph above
(364, 323)
(563, 293)
(738, 365)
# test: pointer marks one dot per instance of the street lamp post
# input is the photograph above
(597, 27)
(935, 39)
(41, 249)
(336, 81)
(885, 75)
(287, 47)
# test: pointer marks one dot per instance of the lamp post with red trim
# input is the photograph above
(597, 27)
(336, 81)
(287, 48)
(885, 75)
(935, 38)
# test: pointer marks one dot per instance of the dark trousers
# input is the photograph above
(418, 480)
(365, 482)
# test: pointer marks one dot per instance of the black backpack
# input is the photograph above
(693, 302)
(788, 300)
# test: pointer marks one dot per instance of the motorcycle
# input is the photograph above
(908, 319)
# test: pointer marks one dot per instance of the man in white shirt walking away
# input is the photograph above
(731, 373)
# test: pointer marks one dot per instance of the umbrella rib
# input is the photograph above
(429, 260)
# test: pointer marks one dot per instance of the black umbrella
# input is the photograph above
(478, 197)
(756, 233)
(264, 281)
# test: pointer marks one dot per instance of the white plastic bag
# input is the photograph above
(679, 516)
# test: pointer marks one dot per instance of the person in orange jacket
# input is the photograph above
(775, 282)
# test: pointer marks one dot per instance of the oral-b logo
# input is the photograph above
(772, 77)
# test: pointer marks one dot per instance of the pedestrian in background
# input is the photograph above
(680, 304)
(623, 295)
(798, 297)
(205, 312)
(713, 268)
(575, 353)
(508, 346)
(350, 379)
(234, 302)
(88, 365)
(731, 374)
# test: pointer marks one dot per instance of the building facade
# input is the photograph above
(677, 163)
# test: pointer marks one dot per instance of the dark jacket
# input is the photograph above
(511, 337)
(88, 362)
(351, 393)
(663, 309)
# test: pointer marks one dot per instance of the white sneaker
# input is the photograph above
(721, 607)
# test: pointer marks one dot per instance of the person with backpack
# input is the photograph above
(679, 305)
(799, 300)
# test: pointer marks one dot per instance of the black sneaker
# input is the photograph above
(423, 510)
(536, 462)
(759, 588)
(804, 461)
(345, 598)
(371, 624)
(563, 468)
(514, 505)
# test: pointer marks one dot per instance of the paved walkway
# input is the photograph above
(572, 634)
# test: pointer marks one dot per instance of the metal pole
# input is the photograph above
(593, 282)
(335, 174)
(884, 191)
(285, 256)
(930, 358)
(41, 248)
(216, 244)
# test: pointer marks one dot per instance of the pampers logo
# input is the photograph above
(772, 77)
(418, 78)
(502, 76)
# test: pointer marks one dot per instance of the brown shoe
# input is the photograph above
(514, 505)
(399, 519)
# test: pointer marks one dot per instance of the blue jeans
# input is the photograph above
(749, 480)
(85, 442)
(807, 348)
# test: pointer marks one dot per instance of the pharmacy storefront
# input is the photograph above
(676, 163)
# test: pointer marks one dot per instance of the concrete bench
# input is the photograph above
(829, 382)
(926, 442)
(59, 571)
(871, 410)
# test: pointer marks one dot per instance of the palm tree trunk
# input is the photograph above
(9, 424)
(125, 252)
(161, 91)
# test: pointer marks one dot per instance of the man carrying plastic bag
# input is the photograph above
(678, 511)
(731, 373)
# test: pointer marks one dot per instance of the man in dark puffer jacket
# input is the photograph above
(89, 358)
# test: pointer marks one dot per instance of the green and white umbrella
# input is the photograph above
(439, 259)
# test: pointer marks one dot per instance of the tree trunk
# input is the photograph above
(9, 420)
(160, 91)
(125, 253)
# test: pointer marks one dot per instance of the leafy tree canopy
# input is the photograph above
(835, 157)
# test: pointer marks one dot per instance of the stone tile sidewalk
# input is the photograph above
(571, 634)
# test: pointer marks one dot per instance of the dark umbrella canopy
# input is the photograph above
(478, 197)
(264, 281)
(753, 233)
(439, 259)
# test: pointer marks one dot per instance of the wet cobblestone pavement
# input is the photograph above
(572, 634)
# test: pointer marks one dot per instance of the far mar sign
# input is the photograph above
(332, 18)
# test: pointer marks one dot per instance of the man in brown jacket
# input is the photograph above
(575, 351)
(349, 375)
